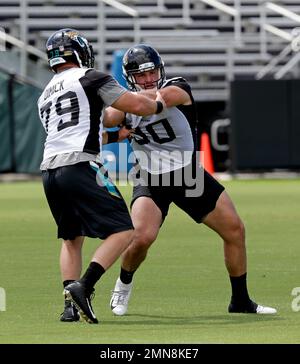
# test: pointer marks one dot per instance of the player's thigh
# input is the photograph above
(224, 219)
(146, 217)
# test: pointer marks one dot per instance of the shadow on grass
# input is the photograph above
(229, 319)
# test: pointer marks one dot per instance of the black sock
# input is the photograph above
(125, 276)
(240, 294)
(67, 282)
(92, 275)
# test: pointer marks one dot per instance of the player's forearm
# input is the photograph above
(144, 106)
(139, 104)
(174, 96)
(151, 94)
(112, 117)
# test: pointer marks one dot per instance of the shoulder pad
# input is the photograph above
(173, 80)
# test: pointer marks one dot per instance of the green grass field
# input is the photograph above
(181, 292)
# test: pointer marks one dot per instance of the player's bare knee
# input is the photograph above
(237, 230)
(127, 236)
(143, 239)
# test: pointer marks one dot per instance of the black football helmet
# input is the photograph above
(68, 45)
(141, 58)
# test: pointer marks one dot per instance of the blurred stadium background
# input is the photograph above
(240, 57)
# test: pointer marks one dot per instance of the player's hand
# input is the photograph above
(125, 133)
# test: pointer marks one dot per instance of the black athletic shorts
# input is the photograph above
(197, 204)
(85, 202)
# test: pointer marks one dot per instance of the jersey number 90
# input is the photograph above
(141, 138)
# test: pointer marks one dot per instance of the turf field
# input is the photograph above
(181, 292)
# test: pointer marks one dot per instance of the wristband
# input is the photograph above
(112, 136)
(159, 106)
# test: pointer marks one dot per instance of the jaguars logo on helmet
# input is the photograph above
(68, 45)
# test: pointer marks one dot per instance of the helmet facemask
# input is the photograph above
(135, 85)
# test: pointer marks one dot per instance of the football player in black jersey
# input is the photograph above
(166, 148)
(81, 196)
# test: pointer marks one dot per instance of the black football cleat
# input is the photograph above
(70, 313)
(78, 294)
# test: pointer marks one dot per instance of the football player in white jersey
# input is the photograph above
(165, 146)
(82, 198)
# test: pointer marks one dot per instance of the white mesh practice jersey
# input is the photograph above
(70, 109)
(165, 142)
